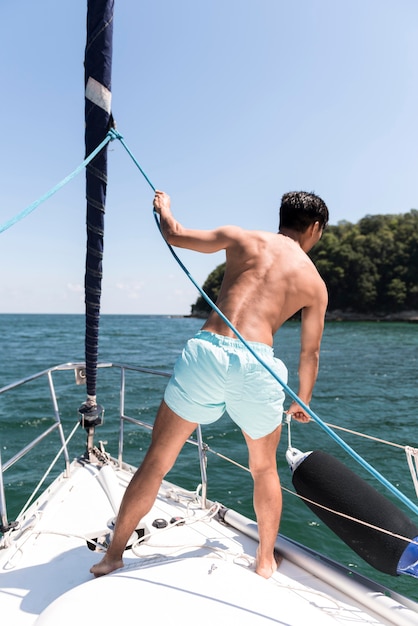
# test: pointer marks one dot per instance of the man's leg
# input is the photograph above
(168, 437)
(267, 497)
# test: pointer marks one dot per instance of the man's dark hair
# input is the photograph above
(300, 209)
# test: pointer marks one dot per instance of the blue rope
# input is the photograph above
(116, 135)
(113, 134)
(288, 390)
(51, 192)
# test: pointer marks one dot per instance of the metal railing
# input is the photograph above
(79, 371)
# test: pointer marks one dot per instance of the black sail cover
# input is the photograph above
(98, 120)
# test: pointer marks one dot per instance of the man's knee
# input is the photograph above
(263, 469)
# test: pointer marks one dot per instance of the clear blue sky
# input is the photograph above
(227, 104)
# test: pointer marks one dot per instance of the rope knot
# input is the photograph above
(114, 134)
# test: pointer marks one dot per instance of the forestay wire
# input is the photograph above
(114, 134)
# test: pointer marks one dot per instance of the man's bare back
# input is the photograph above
(268, 278)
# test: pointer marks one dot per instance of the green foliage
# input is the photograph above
(211, 287)
(370, 267)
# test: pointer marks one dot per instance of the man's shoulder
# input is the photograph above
(244, 236)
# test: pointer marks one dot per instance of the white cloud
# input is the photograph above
(132, 290)
(75, 287)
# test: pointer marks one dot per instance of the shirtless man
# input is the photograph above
(268, 278)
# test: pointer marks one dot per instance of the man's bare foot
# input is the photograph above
(267, 568)
(105, 566)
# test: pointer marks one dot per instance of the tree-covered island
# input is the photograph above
(370, 268)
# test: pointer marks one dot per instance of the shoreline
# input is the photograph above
(350, 316)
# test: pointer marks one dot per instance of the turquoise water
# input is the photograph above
(367, 383)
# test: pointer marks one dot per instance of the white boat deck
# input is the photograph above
(200, 571)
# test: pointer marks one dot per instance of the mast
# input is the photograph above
(98, 120)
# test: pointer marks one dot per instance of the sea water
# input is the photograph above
(366, 383)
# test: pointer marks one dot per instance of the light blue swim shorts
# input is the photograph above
(215, 374)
